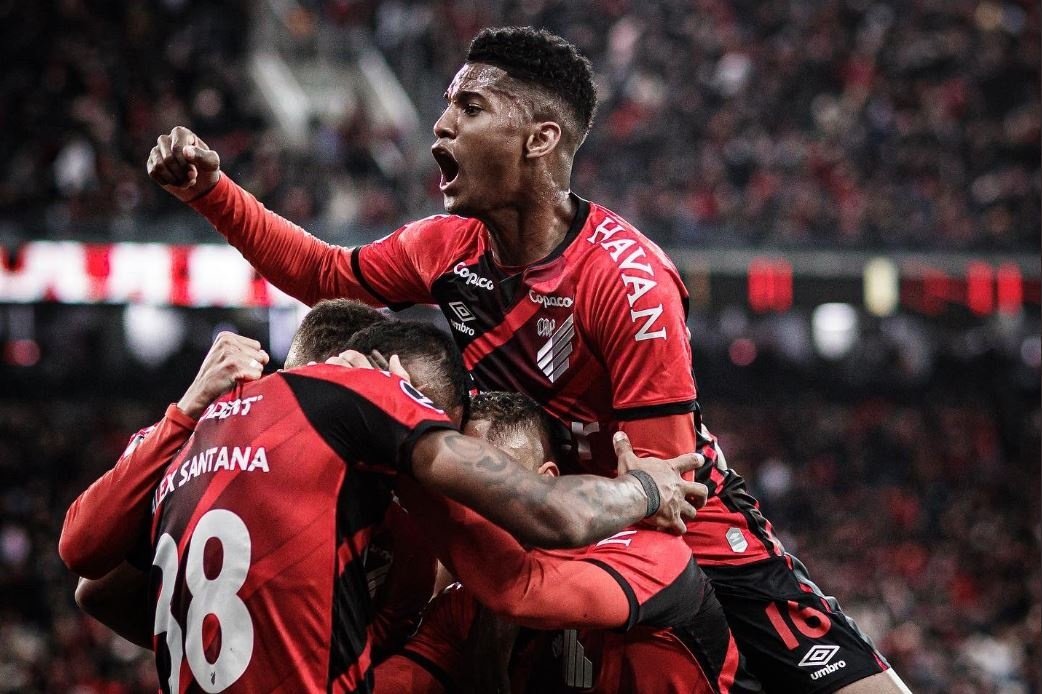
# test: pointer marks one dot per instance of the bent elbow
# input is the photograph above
(72, 550)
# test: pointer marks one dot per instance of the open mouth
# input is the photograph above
(448, 165)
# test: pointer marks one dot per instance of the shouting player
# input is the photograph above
(561, 299)
(262, 518)
(641, 581)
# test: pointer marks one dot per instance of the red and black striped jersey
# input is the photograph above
(595, 332)
(676, 637)
(260, 526)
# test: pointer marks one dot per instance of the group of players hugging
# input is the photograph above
(537, 472)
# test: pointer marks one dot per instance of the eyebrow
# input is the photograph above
(464, 95)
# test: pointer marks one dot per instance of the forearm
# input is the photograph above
(119, 600)
(103, 523)
(546, 512)
(535, 589)
(285, 254)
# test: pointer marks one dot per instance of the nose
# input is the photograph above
(444, 127)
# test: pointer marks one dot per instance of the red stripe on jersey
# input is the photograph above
(268, 567)
(727, 673)
(350, 680)
(352, 547)
(495, 338)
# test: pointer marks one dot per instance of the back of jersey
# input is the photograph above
(260, 528)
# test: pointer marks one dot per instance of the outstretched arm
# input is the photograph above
(551, 512)
(535, 589)
(285, 254)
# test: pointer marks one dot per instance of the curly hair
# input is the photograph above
(539, 57)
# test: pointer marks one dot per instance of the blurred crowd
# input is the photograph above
(857, 123)
(922, 518)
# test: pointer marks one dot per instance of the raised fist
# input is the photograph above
(184, 165)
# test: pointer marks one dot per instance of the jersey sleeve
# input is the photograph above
(105, 524)
(637, 322)
(655, 571)
(371, 418)
(400, 268)
(537, 589)
(307, 268)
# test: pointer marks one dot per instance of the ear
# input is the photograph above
(543, 139)
(549, 468)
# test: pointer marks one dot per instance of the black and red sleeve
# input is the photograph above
(367, 416)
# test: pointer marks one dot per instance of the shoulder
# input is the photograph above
(627, 280)
(437, 228)
(648, 560)
(386, 390)
(614, 248)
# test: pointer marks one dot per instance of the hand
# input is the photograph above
(679, 498)
(231, 359)
(356, 360)
(184, 165)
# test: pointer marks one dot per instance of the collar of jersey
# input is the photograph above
(582, 212)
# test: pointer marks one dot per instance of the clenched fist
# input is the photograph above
(232, 359)
(184, 165)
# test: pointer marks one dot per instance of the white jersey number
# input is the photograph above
(217, 596)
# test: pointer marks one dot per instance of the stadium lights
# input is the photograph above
(834, 330)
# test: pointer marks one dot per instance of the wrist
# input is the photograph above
(647, 483)
(192, 405)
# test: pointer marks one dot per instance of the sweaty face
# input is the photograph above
(480, 141)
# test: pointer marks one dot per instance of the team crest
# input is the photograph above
(552, 357)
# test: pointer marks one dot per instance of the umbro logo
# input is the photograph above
(461, 311)
(821, 658)
(818, 656)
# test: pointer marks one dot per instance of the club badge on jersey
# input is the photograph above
(552, 357)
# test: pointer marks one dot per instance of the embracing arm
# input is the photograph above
(535, 589)
(552, 512)
(119, 600)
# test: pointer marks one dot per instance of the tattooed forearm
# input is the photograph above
(546, 511)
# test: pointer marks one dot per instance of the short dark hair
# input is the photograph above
(329, 326)
(551, 62)
(411, 339)
(508, 413)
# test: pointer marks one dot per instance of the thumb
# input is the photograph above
(622, 444)
(205, 159)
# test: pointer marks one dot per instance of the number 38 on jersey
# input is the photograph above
(215, 636)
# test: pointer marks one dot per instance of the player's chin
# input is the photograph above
(457, 204)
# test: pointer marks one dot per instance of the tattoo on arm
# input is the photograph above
(500, 488)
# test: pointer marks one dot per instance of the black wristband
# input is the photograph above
(650, 488)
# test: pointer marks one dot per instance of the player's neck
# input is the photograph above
(526, 233)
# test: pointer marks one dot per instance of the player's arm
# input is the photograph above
(107, 519)
(285, 254)
(639, 328)
(568, 511)
(535, 589)
(119, 600)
